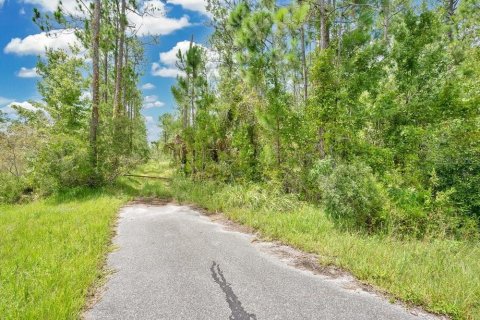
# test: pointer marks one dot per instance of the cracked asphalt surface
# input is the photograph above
(174, 263)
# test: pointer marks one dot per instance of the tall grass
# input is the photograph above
(147, 187)
(51, 253)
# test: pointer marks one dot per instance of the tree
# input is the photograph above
(119, 60)
(95, 85)
(389, 87)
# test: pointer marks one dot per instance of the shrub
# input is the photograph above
(352, 196)
(62, 162)
(409, 215)
(11, 188)
(319, 172)
(457, 162)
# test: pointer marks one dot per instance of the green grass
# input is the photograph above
(147, 187)
(52, 253)
(441, 275)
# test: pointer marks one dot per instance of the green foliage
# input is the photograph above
(61, 88)
(457, 163)
(62, 162)
(352, 195)
(12, 188)
(392, 99)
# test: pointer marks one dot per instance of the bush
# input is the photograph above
(457, 162)
(11, 188)
(62, 162)
(352, 196)
(409, 214)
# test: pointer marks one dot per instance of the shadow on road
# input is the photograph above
(238, 313)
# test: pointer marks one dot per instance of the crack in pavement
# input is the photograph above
(238, 312)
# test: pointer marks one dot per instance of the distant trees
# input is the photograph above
(84, 137)
(309, 91)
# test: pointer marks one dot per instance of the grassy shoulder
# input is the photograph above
(52, 252)
(441, 275)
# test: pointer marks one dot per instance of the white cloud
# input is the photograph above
(192, 5)
(35, 44)
(153, 131)
(27, 73)
(22, 11)
(152, 19)
(151, 98)
(151, 105)
(170, 57)
(152, 102)
(153, 7)
(148, 86)
(156, 25)
(164, 72)
(166, 67)
(25, 105)
(1, 3)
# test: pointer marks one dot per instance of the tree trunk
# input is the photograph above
(194, 152)
(324, 30)
(115, 51)
(278, 143)
(321, 142)
(118, 79)
(105, 76)
(386, 19)
(95, 86)
(124, 92)
(304, 65)
(193, 104)
(451, 6)
(185, 116)
(324, 43)
(186, 113)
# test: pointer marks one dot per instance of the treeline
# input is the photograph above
(88, 128)
(370, 108)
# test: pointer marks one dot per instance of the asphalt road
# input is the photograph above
(174, 263)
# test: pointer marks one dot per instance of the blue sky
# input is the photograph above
(21, 42)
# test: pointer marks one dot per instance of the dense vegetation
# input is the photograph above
(347, 129)
(370, 108)
(88, 128)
